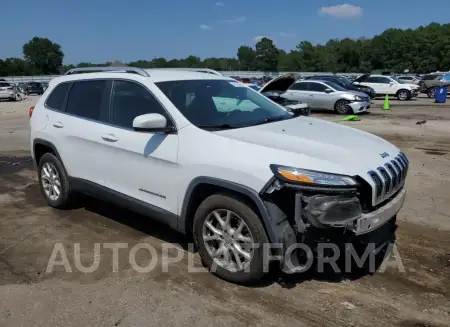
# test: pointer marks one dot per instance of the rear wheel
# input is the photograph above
(230, 239)
(403, 95)
(342, 107)
(53, 181)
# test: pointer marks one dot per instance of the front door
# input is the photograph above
(142, 165)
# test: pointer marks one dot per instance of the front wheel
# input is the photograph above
(403, 95)
(342, 107)
(230, 239)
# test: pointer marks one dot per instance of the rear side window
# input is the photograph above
(316, 87)
(5, 84)
(86, 100)
(298, 86)
(57, 97)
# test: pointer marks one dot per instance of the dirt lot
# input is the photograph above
(29, 229)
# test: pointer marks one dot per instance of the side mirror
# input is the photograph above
(151, 123)
(328, 90)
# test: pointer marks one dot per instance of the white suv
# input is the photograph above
(389, 85)
(216, 160)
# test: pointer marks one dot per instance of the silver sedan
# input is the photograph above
(328, 95)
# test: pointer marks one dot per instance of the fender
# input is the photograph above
(238, 188)
(51, 146)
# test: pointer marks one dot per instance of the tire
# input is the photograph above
(431, 92)
(61, 201)
(252, 269)
(403, 95)
(342, 107)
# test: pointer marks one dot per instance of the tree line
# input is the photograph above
(420, 50)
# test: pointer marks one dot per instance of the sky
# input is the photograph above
(98, 30)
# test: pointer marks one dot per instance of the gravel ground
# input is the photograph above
(29, 230)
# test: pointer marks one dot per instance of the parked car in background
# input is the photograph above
(345, 83)
(319, 94)
(388, 85)
(409, 79)
(33, 88)
(429, 82)
(296, 107)
(44, 85)
(7, 91)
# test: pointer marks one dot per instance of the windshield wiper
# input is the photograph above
(217, 127)
(270, 120)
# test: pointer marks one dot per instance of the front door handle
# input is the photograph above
(311, 95)
(58, 124)
(110, 137)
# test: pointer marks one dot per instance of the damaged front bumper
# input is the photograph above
(311, 215)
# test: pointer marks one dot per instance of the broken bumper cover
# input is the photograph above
(373, 220)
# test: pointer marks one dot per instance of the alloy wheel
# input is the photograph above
(228, 240)
(51, 182)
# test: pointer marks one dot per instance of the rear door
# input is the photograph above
(80, 126)
(373, 82)
(298, 92)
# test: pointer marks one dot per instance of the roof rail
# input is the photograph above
(198, 70)
(125, 69)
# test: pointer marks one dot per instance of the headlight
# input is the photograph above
(314, 178)
(358, 98)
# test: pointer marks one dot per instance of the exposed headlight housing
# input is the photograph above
(358, 98)
(311, 177)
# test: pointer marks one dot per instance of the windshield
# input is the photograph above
(255, 87)
(334, 86)
(344, 80)
(221, 103)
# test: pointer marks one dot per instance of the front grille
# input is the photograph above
(366, 99)
(389, 178)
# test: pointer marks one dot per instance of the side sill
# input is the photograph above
(108, 195)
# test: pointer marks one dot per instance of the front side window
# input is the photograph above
(130, 100)
(216, 103)
(2, 84)
(86, 100)
(335, 86)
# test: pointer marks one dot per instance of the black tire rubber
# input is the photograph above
(431, 92)
(348, 109)
(65, 198)
(403, 91)
(222, 201)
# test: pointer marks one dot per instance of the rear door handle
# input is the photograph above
(110, 137)
(311, 95)
(58, 124)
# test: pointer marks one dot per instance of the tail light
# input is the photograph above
(30, 112)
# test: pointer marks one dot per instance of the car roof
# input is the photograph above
(156, 75)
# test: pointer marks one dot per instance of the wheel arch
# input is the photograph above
(40, 147)
(409, 92)
(202, 187)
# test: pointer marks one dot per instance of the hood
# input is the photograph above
(319, 145)
(280, 83)
(361, 78)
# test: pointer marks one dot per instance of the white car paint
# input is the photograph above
(120, 158)
(388, 86)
